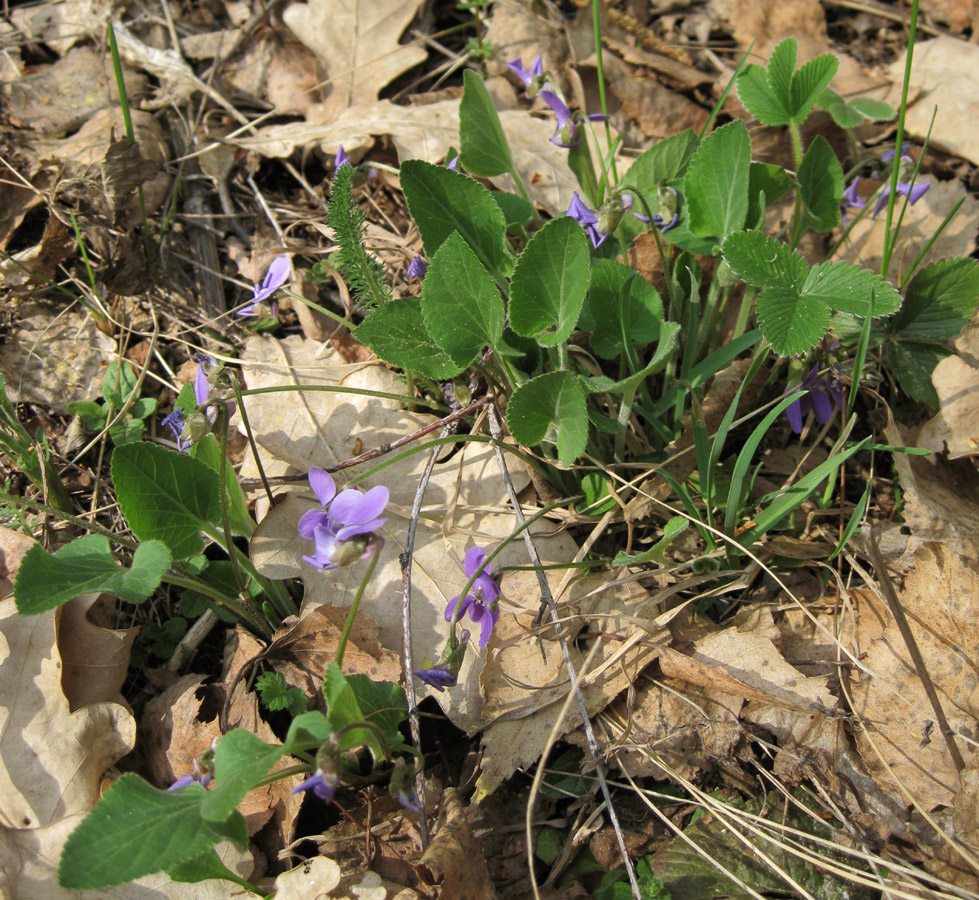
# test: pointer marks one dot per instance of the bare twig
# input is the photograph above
(594, 751)
(409, 666)
(254, 483)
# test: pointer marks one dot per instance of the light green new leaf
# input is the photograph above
(781, 70)
(550, 282)
(485, 149)
(344, 712)
(396, 332)
(46, 581)
(809, 82)
(821, 185)
(758, 99)
(663, 162)
(792, 322)
(209, 451)
(939, 301)
(442, 201)
(166, 496)
(716, 183)
(460, 302)
(550, 407)
(136, 830)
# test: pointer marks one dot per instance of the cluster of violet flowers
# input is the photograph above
(598, 225)
(913, 190)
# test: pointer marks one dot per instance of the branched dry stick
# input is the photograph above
(901, 620)
(594, 752)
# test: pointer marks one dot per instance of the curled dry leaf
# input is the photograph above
(95, 658)
(941, 600)
(302, 650)
(453, 864)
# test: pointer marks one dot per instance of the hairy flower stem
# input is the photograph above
(798, 220)
(890, 239)
(239, 561)
(238, 610)
(596, 19)
(251, 441)
(349, 623)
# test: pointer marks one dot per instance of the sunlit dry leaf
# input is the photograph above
(525, 681)
(945, 74)
(316, 877)
(941, 498)
(60, 24)
(54, 761)
(865, 243)
(766, 22)
(956, 379)
(358, 43)
(427, 132)
(63, 95)
(54, 360)
(940, 598)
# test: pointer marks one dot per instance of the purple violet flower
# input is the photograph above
(324, 787)
(906, 167)
(445, 673)
(341, 158)
(888, 155)
(851, 199)
(527, 77)
(438, 678)
(342, 529)
(586, 218)
(203, 771)
(175, 422)
(566, 133)
(482, 601)
(913, 192)
(820, 396)
(418, 267)
(453, 163)
(277, 275)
